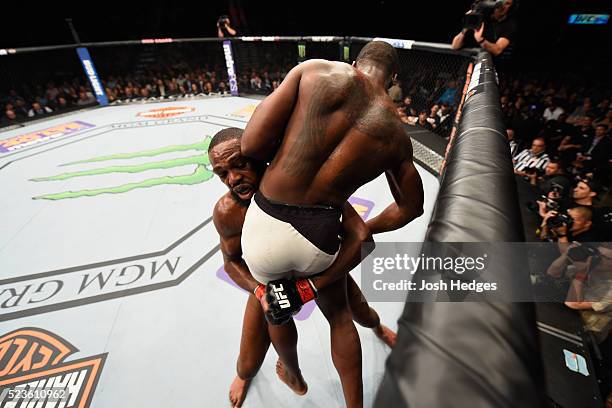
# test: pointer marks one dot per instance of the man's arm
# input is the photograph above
(229, 230)
(495, 48)
(354, 234)
(267, 125)
(407, 189)
(575, 295)
(458, 40)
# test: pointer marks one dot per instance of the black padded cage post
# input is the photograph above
(471, 354)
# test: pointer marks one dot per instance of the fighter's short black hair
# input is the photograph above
(224, 135)
(381, 53)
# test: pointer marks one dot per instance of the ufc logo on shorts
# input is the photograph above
(283, 302)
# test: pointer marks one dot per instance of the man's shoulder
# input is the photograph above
(317, 68)
(225, 215)
(225, 205)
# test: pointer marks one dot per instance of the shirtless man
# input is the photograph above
(242, 175)
(327, 130)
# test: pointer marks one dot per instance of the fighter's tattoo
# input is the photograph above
(310, 141)
(354, 99)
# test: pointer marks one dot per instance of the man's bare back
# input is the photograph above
(342, 133)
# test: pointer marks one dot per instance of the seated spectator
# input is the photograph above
(424, 121)
(556, 130)
(576, 143)
(85, 98)
(10, 118)
(602, 107)
(553, 174)
(580, 112)
(596, 155)
(195, 88)
(531, 160)
(553, 110)
(445, 120)
(433, 117)
(449, 95)
(395, 92)
(52, 92)
(62, 103)
(38, 110)
(21, 109)
(605, 119)
(409, 107)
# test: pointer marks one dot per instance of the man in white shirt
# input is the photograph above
(553, 110)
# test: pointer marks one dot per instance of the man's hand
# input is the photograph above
(479, 34)
(284, 297)
(561, 231)
(533, 178)
(549, 215)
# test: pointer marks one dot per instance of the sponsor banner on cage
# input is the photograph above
(231, 70)
(92, 75)
(588, 19)
(41, 136)
(486, 272)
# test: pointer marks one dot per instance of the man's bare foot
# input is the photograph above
(238, 391)
(387, 335)
(297, 384)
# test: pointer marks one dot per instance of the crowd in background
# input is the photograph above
(558, 132)
(559, 137)
(560, 142)
(168, 77)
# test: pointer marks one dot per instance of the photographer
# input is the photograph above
(575, 225)
(224, 29)
(585, 192)
(552, 172)
(590, 293)
(553, 196)
(490, 26)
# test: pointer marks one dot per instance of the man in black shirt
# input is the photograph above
(224, 29)
(495, 35)
(579, 230)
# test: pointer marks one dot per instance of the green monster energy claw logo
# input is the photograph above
(302, 50)
(199, 175)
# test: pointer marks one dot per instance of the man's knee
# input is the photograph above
(248, 366)
(336, 312)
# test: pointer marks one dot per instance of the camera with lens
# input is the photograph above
(558, 221)
(556, 188)
(480, 12)
(551, 204)
(581, 253)
(222, 21)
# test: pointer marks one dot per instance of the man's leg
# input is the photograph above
(254, 345)
(345, 344)
(284, 339)
(365, 315)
